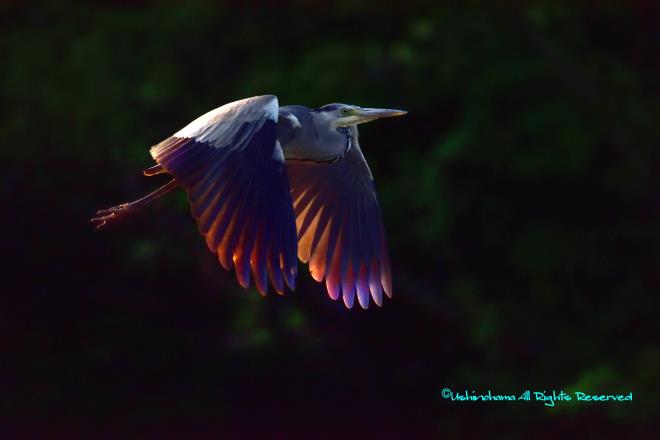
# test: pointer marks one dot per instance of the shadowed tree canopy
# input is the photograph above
(519, 195)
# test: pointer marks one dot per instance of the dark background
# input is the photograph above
(520, 196)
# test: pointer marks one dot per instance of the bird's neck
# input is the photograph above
(315, 139)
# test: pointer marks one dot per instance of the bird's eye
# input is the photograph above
(344, 111)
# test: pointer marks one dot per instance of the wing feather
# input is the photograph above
(340, 230)
(238, 189)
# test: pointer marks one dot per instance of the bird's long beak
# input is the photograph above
(359, 115)
(363, 115)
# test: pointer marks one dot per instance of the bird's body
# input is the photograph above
(270, 184)
(306, 135)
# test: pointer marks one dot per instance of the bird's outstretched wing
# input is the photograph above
(340, 231)
(231, 164)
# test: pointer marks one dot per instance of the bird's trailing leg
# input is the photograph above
(154, 170)
(111, 215)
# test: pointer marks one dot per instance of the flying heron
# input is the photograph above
(269, 183)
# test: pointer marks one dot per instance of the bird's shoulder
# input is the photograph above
(299, 112)
(292, 120)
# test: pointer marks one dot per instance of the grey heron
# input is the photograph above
(267, 184)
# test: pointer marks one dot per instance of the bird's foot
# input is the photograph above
(110, 215)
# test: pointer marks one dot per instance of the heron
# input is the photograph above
(269, 185)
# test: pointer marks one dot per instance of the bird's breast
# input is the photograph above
(315, 147)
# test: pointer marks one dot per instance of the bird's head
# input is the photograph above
(344, 115)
